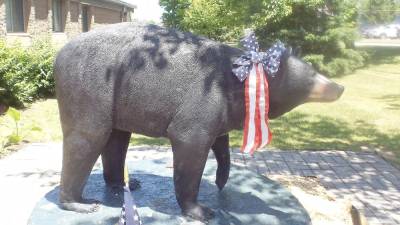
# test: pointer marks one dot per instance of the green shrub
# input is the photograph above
(26, 73)
(324, 30)
(348, 61)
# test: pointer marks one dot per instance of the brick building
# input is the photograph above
(25, 20)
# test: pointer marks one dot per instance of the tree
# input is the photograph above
(207, 18)
(378, 11)
(324, 29)
(174, 11)
(225, 20)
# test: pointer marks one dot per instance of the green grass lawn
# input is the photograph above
(366, 117)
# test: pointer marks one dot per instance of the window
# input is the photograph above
(57, 16)
(85, 18)
(15, 15)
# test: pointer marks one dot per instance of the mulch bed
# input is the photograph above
(322, 207)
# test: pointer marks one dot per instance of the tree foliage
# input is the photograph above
(174, 11)
(324, 29)
(378, 11)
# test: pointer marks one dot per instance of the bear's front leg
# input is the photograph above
(190, 155)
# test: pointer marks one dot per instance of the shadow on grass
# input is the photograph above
(392, 101)
(302, 131)
(315, 132)
(383, 55)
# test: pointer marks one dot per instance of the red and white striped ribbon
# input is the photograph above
(256, 131)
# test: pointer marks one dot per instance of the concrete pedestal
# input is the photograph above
(248, 198)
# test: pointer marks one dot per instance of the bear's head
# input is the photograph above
(297, 82)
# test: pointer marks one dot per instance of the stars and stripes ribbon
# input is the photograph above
(270, 59)
(129, 214)
(253, 68)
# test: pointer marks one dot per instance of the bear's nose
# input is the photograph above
(332, 92)
(324, 90)
(340, 90)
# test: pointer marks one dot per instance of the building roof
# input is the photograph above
(109, 3)
(122, 2)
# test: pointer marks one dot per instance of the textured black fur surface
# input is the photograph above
(159, 82)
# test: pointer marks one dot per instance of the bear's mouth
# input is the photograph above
(325, 90)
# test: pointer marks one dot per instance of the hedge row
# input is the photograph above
(26, 74)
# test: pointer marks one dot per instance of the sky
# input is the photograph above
(147, 10)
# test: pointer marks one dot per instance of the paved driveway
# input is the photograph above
(371, 182)
(389, 43)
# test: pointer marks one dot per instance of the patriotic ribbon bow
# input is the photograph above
(269, 59)
(255, 66)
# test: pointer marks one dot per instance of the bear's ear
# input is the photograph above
(297, 52)
(289, 50)
(286, 54)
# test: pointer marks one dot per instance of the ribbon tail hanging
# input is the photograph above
(256, 131)
(264, 108)
(129, 214)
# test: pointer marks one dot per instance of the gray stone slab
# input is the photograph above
(272, 155)
(291, 156)
(248, 198)
(279, 168)
(310, 157)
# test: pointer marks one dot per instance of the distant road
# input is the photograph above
(395, 43)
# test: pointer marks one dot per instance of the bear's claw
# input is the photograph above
(85, 206)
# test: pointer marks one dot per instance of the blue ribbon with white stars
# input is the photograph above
(270, 59)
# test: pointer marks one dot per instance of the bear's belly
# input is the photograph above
(153, 123)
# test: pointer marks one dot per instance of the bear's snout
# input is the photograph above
(325, 90)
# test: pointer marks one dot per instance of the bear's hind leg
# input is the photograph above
(80, 152)
(222, 154)
(113, 158)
